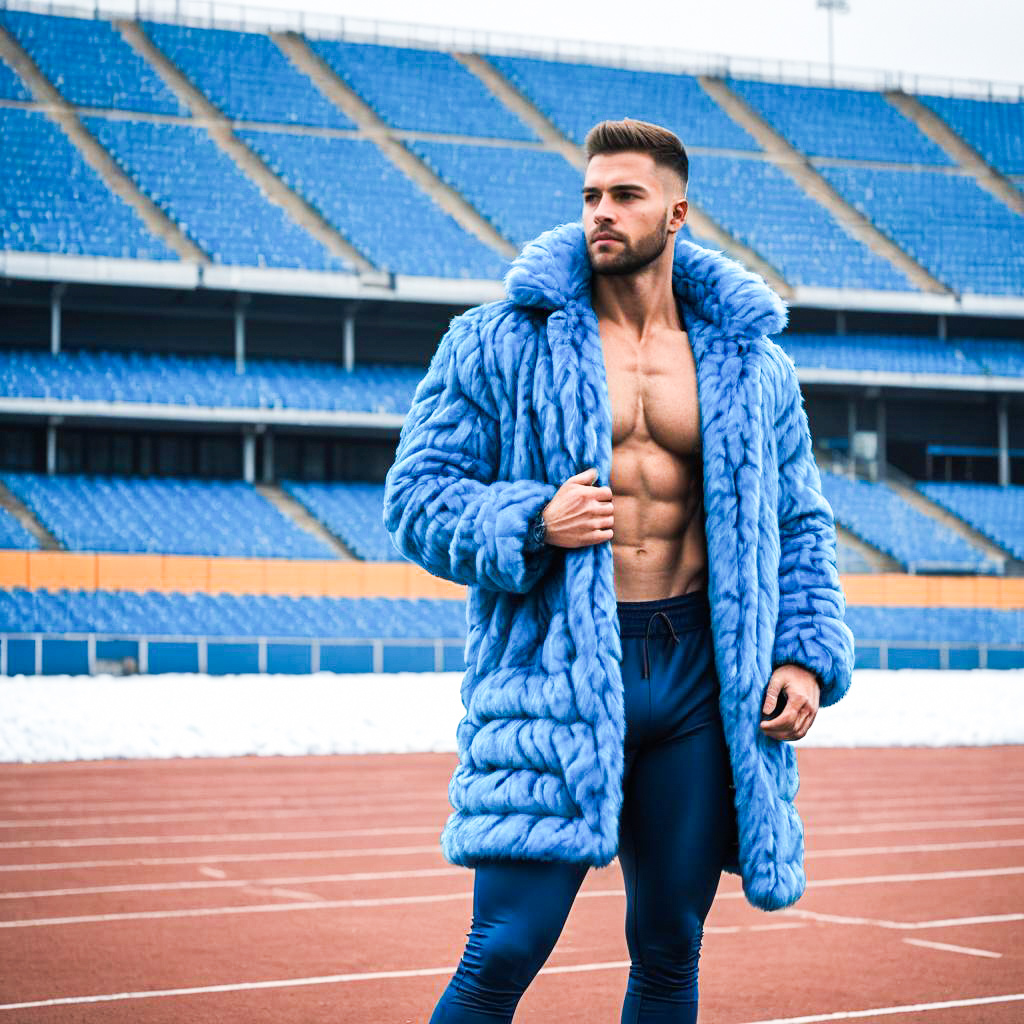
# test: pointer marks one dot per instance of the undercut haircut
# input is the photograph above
(631, 136)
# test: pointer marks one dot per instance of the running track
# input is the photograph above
(301, 890)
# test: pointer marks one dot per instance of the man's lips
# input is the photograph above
(606, 238)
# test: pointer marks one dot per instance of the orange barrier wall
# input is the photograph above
(51, 570)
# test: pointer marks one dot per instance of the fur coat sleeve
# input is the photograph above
(444, 505)
(810, 631)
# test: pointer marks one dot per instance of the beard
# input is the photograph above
(634, 258)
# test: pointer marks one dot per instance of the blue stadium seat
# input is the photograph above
(995, 128)
(53, 201)
(955, 229)
(11, 87)
(352, 511)
(211, 381)
(421, 90)
(165, 516)
(246, 76)
(997, 512)
(890, 353)
(13, 535)
(375, 206)
(214, 203)
(152, 613)
(91, 64)
(853, 123)
(880, 516)
(576, 96)
(765, 209)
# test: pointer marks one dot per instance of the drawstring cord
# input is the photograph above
(647, 636)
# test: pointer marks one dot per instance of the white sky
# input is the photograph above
(980, 39)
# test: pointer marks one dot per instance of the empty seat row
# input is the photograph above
(154, 614)
(997, 512)
(165, 516)
(352, 511)
(879, 515)
(995, 128)
(90, 63)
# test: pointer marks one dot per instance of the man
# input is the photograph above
(616, 461)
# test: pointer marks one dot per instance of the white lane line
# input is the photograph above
(390, 901)
(222, 882)
(230, 837)
(329, 854)
(888, 1011)
(946, 922)
(968, 950)
(211, 872)
(159, 840)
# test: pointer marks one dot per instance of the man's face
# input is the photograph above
(631, 207)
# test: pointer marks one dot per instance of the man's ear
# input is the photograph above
(677, 216)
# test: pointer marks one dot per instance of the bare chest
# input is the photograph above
(653, 391)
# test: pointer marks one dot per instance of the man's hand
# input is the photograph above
(803, 696)
(579, 514)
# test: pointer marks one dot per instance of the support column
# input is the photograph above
(1003, 433)
(268, 457)
(841, 321)
(851, 430)
(241, 301)
(51, 445)
(348, 339)
(943, 327)
(881, 455)
(249, 456)
(56, 297)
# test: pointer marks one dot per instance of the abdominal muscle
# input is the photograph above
(659, 549)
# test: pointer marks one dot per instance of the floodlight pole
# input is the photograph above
(843, 7)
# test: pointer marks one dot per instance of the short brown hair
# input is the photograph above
(631, 136)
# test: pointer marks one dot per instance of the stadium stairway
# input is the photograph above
(63, 114)
(795, 164)
(878, 560)
(220, 131)
(351, 104)
(302, 518)
(701, 223)
(13, 504)
(968, 159)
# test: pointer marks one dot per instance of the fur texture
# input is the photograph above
(516, 401)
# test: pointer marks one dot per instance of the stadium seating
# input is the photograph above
(1003, 357)
(849, 559)
(880, 516)
(997, 512)
(214, 203)
(103, 376)
(853, 123)
(576, 96)
(352, 511)
(13, 535)
(962, 234)
(995, 128)
(152, 613)
(375, 206)
(522, 192)
(165, 516)
(11, 87)
(764, 208)
(421, 90)
(246, 76)
(53, 201)
(889, 353)
(90, 63)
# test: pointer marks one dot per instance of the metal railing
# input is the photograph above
(223, 14)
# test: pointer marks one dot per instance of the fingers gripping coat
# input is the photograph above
(516, 401)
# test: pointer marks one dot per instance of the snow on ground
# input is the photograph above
(63, 718)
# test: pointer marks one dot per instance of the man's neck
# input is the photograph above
(639, 303)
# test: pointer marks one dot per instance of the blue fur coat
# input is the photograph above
(516, 401)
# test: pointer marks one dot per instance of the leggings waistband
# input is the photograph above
(648, 618)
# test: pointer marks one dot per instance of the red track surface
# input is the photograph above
(324, 875)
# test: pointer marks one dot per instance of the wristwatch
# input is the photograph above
(537, 532)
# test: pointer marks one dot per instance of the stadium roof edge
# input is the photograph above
(221, 14)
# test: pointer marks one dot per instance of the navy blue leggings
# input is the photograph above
(676, 831)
